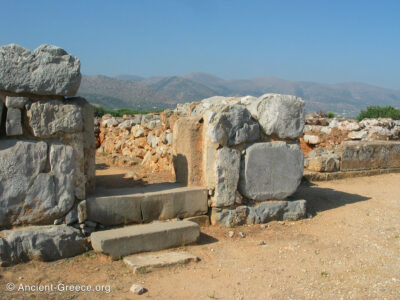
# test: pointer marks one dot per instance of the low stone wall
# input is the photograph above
(139, 139)
(47, 162)
(338, 145)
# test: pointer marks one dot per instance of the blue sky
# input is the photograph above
(321, 41)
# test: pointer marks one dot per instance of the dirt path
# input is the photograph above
(349, 250)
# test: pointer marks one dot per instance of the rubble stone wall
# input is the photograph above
(333, 145)
(139, 139)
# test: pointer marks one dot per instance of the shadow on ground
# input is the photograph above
(206, 239)
(320, 199)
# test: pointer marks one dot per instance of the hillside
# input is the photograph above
(129, 91)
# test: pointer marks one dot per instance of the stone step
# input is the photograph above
(146, 237)
(148, 262)
(145, 204)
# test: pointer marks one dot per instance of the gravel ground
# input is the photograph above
(350, 249)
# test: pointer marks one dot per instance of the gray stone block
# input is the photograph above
(260, 213)
(232, 125)
(55, 71)
(227, 168)
(55, 117)
(155, 202)
(271, 170)
(148, 237)
(281, 115)
(13, 122)
(16, 102)
(44, 243)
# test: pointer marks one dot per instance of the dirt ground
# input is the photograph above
(350, 249)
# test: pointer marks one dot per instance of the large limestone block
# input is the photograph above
(48, 70)
(154, 202)
(227, 168)
(44, 243)
(50, 118)
(271, 170)
(281, 115)
(187, 151)
(63, 166)
(84, 148)
(232, 125)
(20, 164)
(13, 122)
(30, 195)
(147, 237)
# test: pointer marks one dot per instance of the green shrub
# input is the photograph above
(330, 115)
(380, 112)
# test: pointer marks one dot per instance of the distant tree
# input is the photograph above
(379, 112)
(100, 111)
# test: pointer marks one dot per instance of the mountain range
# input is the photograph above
(130, 91)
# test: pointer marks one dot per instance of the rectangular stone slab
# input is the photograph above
(141, 238)
(144, 263)
(146, 204)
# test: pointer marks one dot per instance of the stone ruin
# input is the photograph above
(246, 152)
(338, 148)
(47, 163)
(235, 160)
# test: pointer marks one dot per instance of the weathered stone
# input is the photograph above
(169, 138)
(281, 115)
(20, 164)
(358, 135)
(44, 243)
(155, 202)
(71, 217)
(62, 166)
(311, 139)
(227, 168)
(324, 163)
(16, 102)
(149, 262)
(13, 122)
(137, 289)
(137, 131)
(82, 213)
(369, 155)
(51, 118)
(187, 151)
(86, 167)
(233, 125)
(260, 213)
(148, 237)
(271, 170)
(48, 70)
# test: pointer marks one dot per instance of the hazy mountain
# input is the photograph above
(134, 91)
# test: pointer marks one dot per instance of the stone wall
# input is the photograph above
(340, 145)
(47, 145)
(246, 152)
(138, 139)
